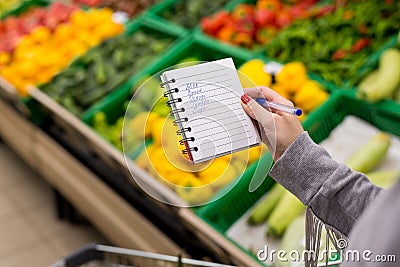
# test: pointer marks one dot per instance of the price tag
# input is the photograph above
(273, 67)
(120, 17)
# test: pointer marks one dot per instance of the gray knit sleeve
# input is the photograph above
(335, 193)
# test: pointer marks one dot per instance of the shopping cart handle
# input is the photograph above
(84, 255)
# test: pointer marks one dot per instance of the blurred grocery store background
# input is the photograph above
(76, 75)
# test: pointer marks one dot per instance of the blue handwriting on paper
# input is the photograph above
(197, 97)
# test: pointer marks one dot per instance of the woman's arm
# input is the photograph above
(335, 193)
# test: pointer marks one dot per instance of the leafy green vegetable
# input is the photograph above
(102, 69)
(337, 45)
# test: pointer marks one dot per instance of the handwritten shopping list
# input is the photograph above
(210, 98)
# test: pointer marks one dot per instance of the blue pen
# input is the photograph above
(270, 105)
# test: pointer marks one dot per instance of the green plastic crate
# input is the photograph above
(388, 107)
(224, 212)
(373, 60)
(191, 46)
(25, 6)
(150, 26)
(233, 202)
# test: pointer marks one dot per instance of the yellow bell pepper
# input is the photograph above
(310, 96)
(191, 189)
(252, 74)
(292, 76)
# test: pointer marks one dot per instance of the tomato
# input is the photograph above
(283, 19)
(266, 34)
(299, 11)
(211, 25)
(242, 11)
(273, 5)
(264, 17)
(243, 39)
(226, 34)
(246, 26)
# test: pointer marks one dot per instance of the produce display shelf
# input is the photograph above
(234, 200)
(39, 114)
(193, 46)
(83, 142)
(25, 6)
(224, 212)
(150, 26)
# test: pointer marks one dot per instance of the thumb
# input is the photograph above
(256, 111)
(265, 119)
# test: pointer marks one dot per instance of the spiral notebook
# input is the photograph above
(205, 101)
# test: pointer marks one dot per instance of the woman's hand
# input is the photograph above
(279, 129)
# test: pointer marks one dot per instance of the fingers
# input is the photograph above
(253, 92)
(256, 111)
(248, 111)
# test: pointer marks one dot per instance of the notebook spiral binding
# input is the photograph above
(165, 83)
(169, 93)
(177, 121)
(183, 130)
(186, 151)
(187, 139)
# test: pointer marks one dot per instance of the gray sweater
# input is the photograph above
(344, 199)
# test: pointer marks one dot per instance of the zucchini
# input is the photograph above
(261, 212)
(384, 82)
(293, 239)
(384, 179)
(288, 208)
(369, 155)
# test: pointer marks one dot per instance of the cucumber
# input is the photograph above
(288, 208)
(384, 179)
(369, 155)
(261, 212)
(385, 81)
(368, 82)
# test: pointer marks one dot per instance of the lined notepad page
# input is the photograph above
(210, 95)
